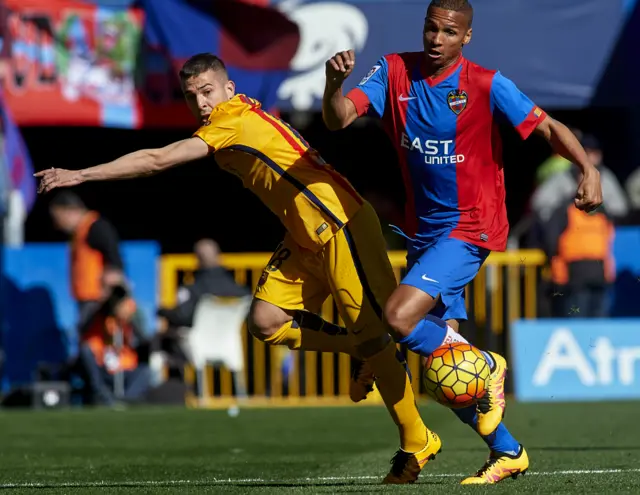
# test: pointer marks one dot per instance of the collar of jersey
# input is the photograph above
(432, 81)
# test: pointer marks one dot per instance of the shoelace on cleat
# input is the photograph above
(492, 461)
(399, 462)
(484, 403)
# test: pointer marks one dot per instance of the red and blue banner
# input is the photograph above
(115, 62)
(69, 62)
(257, 44)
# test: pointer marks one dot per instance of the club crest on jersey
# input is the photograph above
(457, 100)
(370, 74)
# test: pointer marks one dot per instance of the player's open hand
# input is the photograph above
(53, 178)
(589, 195)
(340, 66)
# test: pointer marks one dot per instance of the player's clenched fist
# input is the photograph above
(340, 66)
(589, 195)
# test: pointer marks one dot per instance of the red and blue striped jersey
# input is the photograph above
(445, 132)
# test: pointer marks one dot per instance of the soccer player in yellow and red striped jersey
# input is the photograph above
(333, 245)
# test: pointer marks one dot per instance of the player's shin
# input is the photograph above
(500, 440)
(315, 335)
(395, 389)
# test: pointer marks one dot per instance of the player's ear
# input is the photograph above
(230, 88)
(467, 37)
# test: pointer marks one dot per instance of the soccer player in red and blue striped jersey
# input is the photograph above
(442, 113)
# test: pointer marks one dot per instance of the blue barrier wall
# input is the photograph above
(576, 359)
(626, 292)
(38, 312)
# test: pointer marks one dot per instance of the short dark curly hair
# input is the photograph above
(456, 5)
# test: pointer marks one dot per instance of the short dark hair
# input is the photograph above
(200, 63)
(67, 199)
(456, 5)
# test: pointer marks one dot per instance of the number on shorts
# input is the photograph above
(278, 257)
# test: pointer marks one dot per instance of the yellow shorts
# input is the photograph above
(353, 267)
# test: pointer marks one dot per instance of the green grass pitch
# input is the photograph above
(574, 448)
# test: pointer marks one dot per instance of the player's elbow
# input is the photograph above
(338, 115)
(333, 122)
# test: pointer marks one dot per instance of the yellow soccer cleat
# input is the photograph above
(406, 466)
(362, 379)
(498, 467)
(491, 406)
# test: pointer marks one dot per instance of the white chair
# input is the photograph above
(216, 338)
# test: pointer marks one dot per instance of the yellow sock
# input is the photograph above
(397, 394)
(311, 340)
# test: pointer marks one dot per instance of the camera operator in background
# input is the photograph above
(94, 250)
(110, 345)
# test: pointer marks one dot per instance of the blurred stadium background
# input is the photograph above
(87, 81)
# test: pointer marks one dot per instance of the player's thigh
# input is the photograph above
(293, 279)
(443, 271)
(360, 275)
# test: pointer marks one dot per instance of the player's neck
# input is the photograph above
(433, 72)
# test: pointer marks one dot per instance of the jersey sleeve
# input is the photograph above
(221, 131)
(370, 95)
(519, 110)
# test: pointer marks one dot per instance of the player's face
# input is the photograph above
(206, 91)
(445, 33)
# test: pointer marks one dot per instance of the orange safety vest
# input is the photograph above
(586, 238)
(101, 340)
(87, 264)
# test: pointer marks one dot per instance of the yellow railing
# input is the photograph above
(504, 290)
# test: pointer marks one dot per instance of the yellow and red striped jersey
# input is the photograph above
(312, 200)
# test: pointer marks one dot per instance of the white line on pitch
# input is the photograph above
(292, 481)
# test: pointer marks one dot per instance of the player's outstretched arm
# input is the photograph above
(338, 111)
(140, 163)
(565, 143)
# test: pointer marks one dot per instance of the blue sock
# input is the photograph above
(487, 356)
(499, 441)
(427, 336)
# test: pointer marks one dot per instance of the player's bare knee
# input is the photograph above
(404, 309)
(401, 318)
(265, 319)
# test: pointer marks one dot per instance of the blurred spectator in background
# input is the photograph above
(553, 192)
(94, 247)
(580, 249)
(209, 279)
(633, 191)
(554, 164)
(108, 360)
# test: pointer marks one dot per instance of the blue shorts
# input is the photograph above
(444, 269)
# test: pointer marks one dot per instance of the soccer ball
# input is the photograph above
(455, 375)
